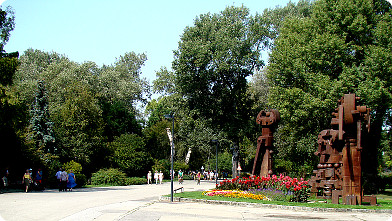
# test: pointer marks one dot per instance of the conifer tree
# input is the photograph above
(41, 124)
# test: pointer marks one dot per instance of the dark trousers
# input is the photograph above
(63, 186)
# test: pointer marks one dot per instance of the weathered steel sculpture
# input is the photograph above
(264, 142)
(339, 171)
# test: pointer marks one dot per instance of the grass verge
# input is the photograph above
(384, 201)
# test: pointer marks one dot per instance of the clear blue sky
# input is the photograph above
(101, 31)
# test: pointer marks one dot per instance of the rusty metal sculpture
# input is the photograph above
(339, 171)
(264, 142)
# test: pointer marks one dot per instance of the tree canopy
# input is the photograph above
(317, 59)
(319, 50)
(213, 60)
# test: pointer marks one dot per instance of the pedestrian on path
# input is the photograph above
(180, 177)
(64, 179)
(27, 179)
(149, 176)
(156, 177)
(160, 176)
(58, 176)
(198, 178)
(71, 183)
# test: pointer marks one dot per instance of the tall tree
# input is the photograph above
(130, 154)
(213, 59)
(79, 125)
(339, 49)
(119, 120)
(7, 24)
(41, 125)
(13, 115)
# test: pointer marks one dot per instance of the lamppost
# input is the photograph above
(171, 116)
(216, 164)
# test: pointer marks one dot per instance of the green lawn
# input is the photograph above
(384, 201)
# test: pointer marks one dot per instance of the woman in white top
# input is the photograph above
(160, 176)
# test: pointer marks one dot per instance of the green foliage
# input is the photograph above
(273, 18)
(74, 166)
(224, 161)
(385, 181)
(165, 82)
(118, 120)
(259, 89)
(81, 179)
(135, 181)
(157, 141)
(88, 104)
(41, 124)
(51, 168)
(8, 67)
(247, 153)
(162, 165)
(130, 154)
(180, 166)
(79, 124)
(7, 24)
(309, 70)
(213, 59)
(110, 176)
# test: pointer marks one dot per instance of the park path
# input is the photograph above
(141, 203)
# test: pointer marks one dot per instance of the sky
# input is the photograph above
(101, 31)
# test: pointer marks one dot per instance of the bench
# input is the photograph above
(181, 188)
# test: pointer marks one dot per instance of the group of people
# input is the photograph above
(66, 180)
(206, 175)
(157, 177)
(28, 179)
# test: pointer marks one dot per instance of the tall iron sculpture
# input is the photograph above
(339, 171)
(267, 119)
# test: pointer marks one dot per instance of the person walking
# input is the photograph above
(38, 176)
(71, 183)
(58, 176)
(198, 178)
(27, 179)
(149, 177)
(156, 177)
(160, 177)
(180, 177)
(64, 179)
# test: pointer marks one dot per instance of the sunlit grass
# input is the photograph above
(384, 201)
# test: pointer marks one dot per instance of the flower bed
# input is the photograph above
(281, 188)
(236, 194)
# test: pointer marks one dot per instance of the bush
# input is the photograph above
(187, 177)
(180, 166)
(135, 181)
(110, 176)
(74, 166)
(81, 179)
(384, 181)
(162, 165)
(51, 180)
(130, 154)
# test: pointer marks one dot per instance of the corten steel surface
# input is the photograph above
(339, 171)
(267, 119)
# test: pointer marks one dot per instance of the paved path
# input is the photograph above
(141, 203)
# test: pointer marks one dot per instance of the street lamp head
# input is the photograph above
(214, 141)
(169, 116)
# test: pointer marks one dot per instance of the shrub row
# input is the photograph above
(115, 177)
